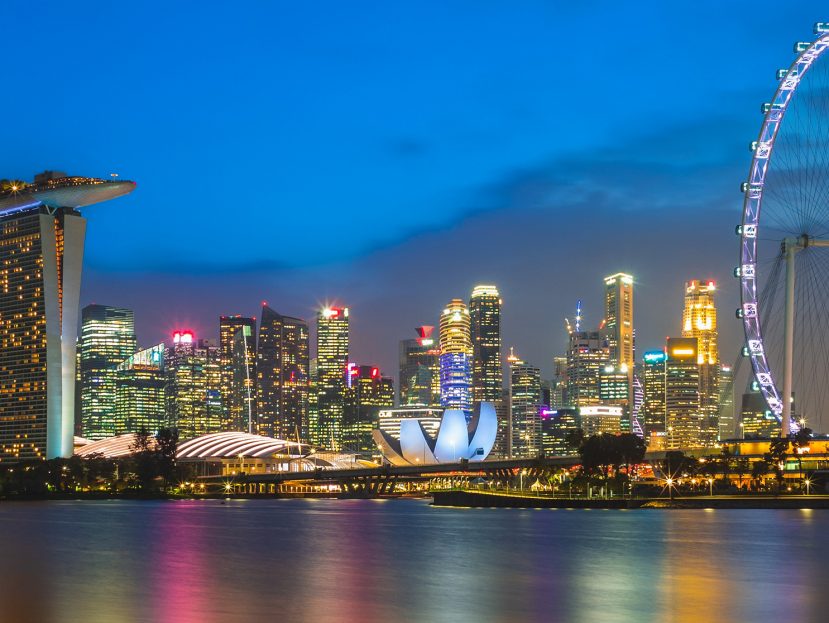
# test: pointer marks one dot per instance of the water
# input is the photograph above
(403, 560)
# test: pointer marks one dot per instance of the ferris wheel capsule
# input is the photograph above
(821, 27)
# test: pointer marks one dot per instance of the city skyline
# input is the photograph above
(523, 181)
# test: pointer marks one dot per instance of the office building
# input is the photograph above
(485, 331)
(419, 360)
(193, 393)
(282, 376)
(41, 254)
(525, 407)
(367, 392)
(107, 339)
(556, 427)
(756, 421)
(237, 352)
(682, 412)
(726, 413)
(653, 410)
(332, 359)
(455, 357)
(587, 356)
(699, 320)
(601, 420)
(140, 386)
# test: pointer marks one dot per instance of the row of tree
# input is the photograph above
(150, 469)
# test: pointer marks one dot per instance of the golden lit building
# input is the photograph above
(455, 356)
(699, 320)
(237, 358)
(682, 411)
(618, 329)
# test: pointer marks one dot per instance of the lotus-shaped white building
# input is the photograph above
(455, 439)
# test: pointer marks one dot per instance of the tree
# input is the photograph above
(166, 448)
(741, 467)
(144, 460)
(725, 461)
(759, 469)
(574, 439)
(801, 439)
(777, 457)
(599, 453)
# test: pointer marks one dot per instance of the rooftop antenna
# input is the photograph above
(578, 315)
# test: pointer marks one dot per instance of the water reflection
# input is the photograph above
(402, 560)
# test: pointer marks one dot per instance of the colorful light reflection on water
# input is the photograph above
(402, 560)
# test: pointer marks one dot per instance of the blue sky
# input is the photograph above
(391, 155)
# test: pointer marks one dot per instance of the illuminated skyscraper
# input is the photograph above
(107, 339)
(653, 410)
(455, 357)
(332, 359)
(41, 255)
(755, 418)
(193, 398)
(140, 401)
(420, 369)
(525, 408)
(237, 353)
(726, 414)
(682, 412)
(619, 319)
(587, 356)
(699, 320)
(485, 330)
(619, 331)
(282, 376)
(367, 392)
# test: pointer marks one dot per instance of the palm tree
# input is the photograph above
(759, 469)
(800, 440)
(741, 467)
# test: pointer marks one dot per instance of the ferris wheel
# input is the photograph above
(784, 254)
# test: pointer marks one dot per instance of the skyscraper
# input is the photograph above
(726, 413)
(332, 359)
(587, 356)
(140, 382)
(41, 254)
(420, 369)
(367, 392)
(525, 408)
(107, 339)
(237, 348)
(699, 320)
(654, 385)
(455, 357)
(485, 330)
(193, 396)
(618, 329)
(682, 413)
(282, 376)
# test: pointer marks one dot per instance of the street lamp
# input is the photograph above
(523, 471)
(808, 484)
(670, 483)
(711, 487)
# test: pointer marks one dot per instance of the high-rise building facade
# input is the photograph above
(193, 401)
(107, 339)
(455, 357)
(332, 359)
(727, 426)
(367, 392)
(41, 254)
(699, 320)
(237, 346)
(556, 427)
(682, 413)
(485, 330)
(619, 319)
(653, 411)
(283, 378)
(140, 385)
(525, 408)
(420, 369)
(587, 356)
(756, 421)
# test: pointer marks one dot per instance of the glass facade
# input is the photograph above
(140, 385)
(282, 376)
(682, 405)
(107, 339)
(485, 326)
(699, 320)
(455, 357)
(367, 392)
(332, 359)
(237, 345)
(525, 408)
(419, 361)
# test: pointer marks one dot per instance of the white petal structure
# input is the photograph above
(455, 439)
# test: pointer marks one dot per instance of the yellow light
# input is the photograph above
(682, 351)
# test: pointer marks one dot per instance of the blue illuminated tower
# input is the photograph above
(455, 357)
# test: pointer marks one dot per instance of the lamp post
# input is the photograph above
(670, 482)
(711, 487)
